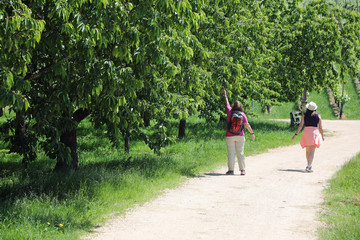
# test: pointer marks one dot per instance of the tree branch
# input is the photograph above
(80, 114)
(15, 10)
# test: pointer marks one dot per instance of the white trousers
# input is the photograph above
(235, 143)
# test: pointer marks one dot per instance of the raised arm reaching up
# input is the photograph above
(226, 99)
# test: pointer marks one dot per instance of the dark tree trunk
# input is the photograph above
(1, 112)
(304, 100)
(20, 127)
(20, 131)
(182, 127)
(341, 111)
(69, 138)
(342, 104)
(127, 139)
(146, 119)
(268, 109)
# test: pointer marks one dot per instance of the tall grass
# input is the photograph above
(38, 203)
(342, 204)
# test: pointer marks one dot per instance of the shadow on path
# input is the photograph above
(214, 174)
(292, 170)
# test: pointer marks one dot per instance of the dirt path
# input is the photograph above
(275, 200)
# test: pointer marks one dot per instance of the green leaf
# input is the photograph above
(105, 2)
(115, 52)
(26, 104)
(9, 80)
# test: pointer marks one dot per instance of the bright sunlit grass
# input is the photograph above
(342, 204)
(352, 108)
(283, 111)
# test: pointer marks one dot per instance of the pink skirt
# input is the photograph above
(310, 137)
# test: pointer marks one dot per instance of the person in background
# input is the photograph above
(312, 136)
(235, 136)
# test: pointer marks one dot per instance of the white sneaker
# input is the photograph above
(308, 169)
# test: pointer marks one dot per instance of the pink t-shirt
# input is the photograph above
(228, 113)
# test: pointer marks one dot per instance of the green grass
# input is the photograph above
(38, 203)
(283, 111)
(352, 108)
(342, 204)
(338, 2)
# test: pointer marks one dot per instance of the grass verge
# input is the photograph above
(38, 203)
(342, 204)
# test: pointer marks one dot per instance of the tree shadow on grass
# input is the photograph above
(18, 181)
(39, 181)
(38, 178)
(75, 187)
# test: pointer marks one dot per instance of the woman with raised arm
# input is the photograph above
(312, 136)
(235, 136)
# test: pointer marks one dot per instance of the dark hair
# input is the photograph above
(237, 106)
(310, 113)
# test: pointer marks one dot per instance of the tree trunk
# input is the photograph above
(20, 127)
(147, 122)
(146, 118)
(357, 84)
(303, 100)
(341, 111)
(268, 109)
(182, 127)
(127, 139)
(20, 131)
(342, 104)
(69, 139)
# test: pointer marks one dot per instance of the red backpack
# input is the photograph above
(235, 126)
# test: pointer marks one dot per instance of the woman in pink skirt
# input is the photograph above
(312, 135)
